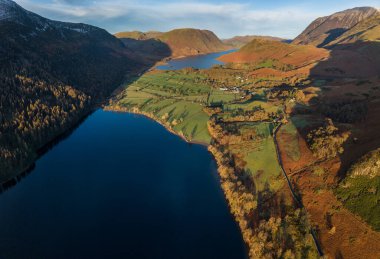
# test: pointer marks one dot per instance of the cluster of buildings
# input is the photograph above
(234, 90)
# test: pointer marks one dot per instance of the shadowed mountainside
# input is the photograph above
(326, 29)
(349, 100)
(52, 75)
(355, 60)
(150, 49)
(365, 31)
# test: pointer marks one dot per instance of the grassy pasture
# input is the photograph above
(176, 97)
(260, 155)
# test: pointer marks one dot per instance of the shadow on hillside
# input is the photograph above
(332, 35)
(151, 49)
(356, 61)
(349, 64)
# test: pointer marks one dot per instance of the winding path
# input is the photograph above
(295, 197)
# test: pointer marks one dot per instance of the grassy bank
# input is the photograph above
(175, 99)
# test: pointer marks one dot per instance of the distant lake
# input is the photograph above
(120, 186)
(199, 61)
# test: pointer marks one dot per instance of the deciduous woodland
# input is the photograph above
(293, 126)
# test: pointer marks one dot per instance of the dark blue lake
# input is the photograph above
(120, 186)
(199, 61)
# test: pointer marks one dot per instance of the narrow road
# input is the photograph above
(295, 197)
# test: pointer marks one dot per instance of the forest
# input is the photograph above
(48, 83)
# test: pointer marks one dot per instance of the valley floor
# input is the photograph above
(237, 115)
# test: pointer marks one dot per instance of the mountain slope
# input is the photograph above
(326, 29)
(365, 31)
(145, 44)
(175, 43)
(52, 74)
(187, 42)
(355, 53)
(274, 63)
(261, 50)
(240, 41)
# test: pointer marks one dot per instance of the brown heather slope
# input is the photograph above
(341, 233)
(326, 29)
(188, 42)
(240, 41)
(261, 50)
(175, 43)
(342, 211)
(356, 59)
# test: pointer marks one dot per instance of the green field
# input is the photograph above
(260, 155)
(258, 100)
(177, 97)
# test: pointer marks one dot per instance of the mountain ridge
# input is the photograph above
(366, 30)
(181, 42)
(240, 41)
(326, 29)
(189, 41)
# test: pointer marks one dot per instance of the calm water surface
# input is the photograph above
(200, 61)
(120, 186)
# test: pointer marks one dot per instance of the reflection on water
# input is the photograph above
(13, 181)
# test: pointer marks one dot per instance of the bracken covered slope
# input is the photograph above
(260, 50)
(186, 42)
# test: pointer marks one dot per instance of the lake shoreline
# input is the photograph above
(172, 63)
(165, 60)
(16, 178)
(119, 109)
(213, 152)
